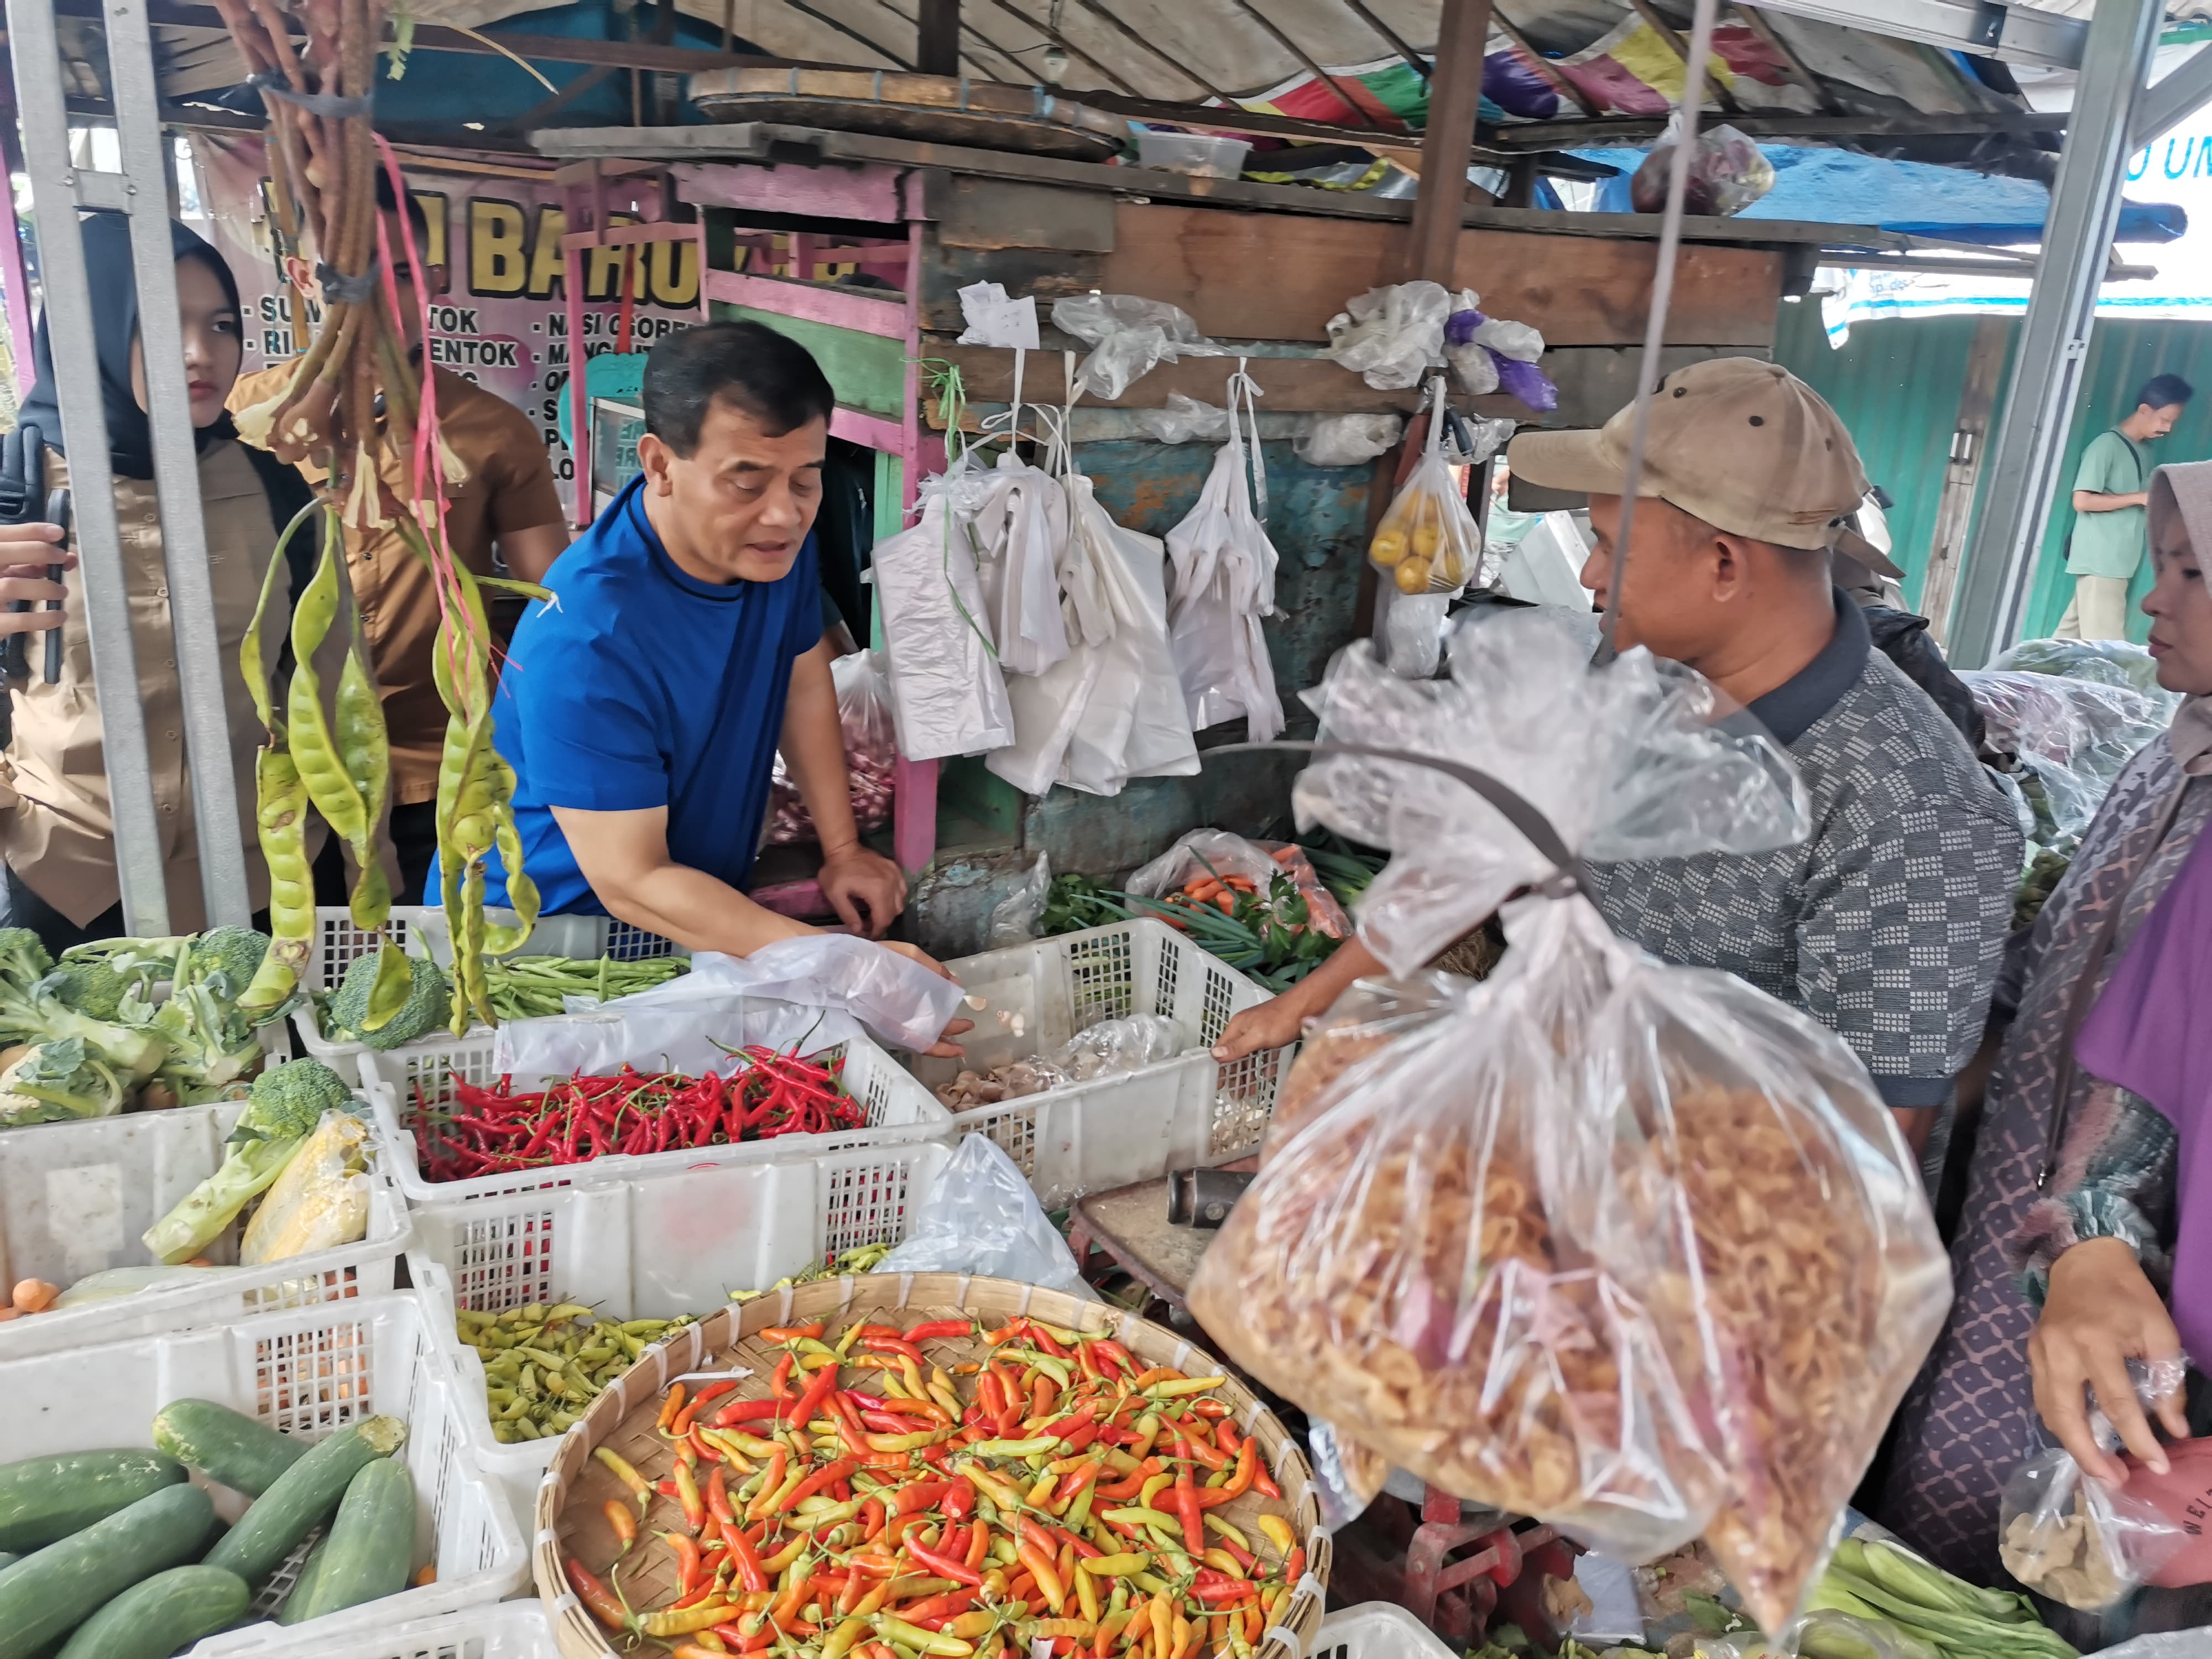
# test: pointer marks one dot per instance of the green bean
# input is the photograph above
(280, 814)
(308, 734)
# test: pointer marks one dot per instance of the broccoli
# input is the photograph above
(58, 1081)
(282, 1110)
(94, 988)
(23, 958)
(233, 952)
(212, 1046)
(430, 1002)
(36, 1014)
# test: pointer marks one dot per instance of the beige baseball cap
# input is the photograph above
(1740, 442)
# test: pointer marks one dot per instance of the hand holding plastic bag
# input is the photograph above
(981, 1216)
(2068, 1535)
(1633, 1248)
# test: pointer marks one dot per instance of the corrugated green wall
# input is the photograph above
(1896, 385)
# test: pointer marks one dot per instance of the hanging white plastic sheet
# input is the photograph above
(1021, 529)
(1225, 582)
(948, 697)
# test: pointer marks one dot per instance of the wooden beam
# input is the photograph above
(1634, 130)
(1954, 507)
(937, 38)
(1454, 100)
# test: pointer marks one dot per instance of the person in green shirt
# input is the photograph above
(2108, 540)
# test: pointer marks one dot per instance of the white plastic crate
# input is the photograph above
(1134, 1126)
(399, 1081)
(306, 1372)
(1378, 1630)
(420, 930)
(75, 1197)
(504, 1630)
(653, 1248)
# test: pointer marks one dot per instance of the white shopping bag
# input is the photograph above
(1225, 582)
(948, 696)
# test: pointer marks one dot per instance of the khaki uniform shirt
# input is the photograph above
(56, 828)
(509, 488)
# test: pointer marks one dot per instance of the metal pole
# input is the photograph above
(2046, 377)
(201, 667)
(55, 195)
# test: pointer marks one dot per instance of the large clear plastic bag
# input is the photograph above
(948, 696)
(2064, 740)
(2109, 662)
(1390, 337)
(1727, 173)
(1129, 335)
(1428, 542)
(1225, 582)
(1367, 1017)
(1115, 1046)
(981, 1217)
(864, 715)
(1633, 1248)
(2069, 1536)
(1217, 852)
(1346, 440)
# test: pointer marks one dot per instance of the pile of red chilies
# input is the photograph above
(495, 1131)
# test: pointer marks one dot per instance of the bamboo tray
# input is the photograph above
(570, 1517)
(931, 108)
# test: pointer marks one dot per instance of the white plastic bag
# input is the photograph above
(864, 717)
(2067, 1535)
(1111, 709)
(1129, 335)
(1021, 536)
(948, 696)
(1185, 420)
(1413, 633)
(1202, 851)
(1428, 542)
(1225, 582)
(1113, 1046)
(981, 1216)
(1346, 440)
(1390, 336)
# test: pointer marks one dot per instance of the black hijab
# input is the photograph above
(115, 325)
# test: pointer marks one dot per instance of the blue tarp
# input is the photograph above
(1835, 186)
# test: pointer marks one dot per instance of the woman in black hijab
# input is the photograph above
(56, 831)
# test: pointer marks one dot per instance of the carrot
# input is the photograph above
(1227, 904)
(1202, 887)
(1284, 854)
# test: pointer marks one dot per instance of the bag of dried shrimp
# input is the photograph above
(1630, 1247)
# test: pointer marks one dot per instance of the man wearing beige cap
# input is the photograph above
(1888, 924)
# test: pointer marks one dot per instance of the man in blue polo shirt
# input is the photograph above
(641, 707)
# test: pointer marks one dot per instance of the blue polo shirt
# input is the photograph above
(638, 686)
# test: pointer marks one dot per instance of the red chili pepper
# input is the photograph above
(603, 1603)
(922, 1495)
(949, 1328)
(893, 1345)
(827, 1474)
(1193, 1527)
(751, 1573)
(943, 1565)
(959, 1499)
(718, 1498)
(792, 1332)
(1264, 1482)
(780, 1384)
(818, 1390)
(748, 1411)
(1295, 1568)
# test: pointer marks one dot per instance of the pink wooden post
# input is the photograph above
(914, 799)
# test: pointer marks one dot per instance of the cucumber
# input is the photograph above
(45, 1498)
(157, 1616)
(45, 1596)
(302, 1498)
(369, 1550)
(227, 1446)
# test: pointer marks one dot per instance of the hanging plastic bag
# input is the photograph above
(1347, 1477)
(1727, 173)
(1130, 335)
(864, 716)
(1112, 708)
(1390, 336)
(947, 694)
(981, 1218)
(1427, 542)
(2069, 1536)
(1225, 582)
(1021, 537)
(1632, 1248)
(1185, 420)
(1346, 440)
(1413, 633)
